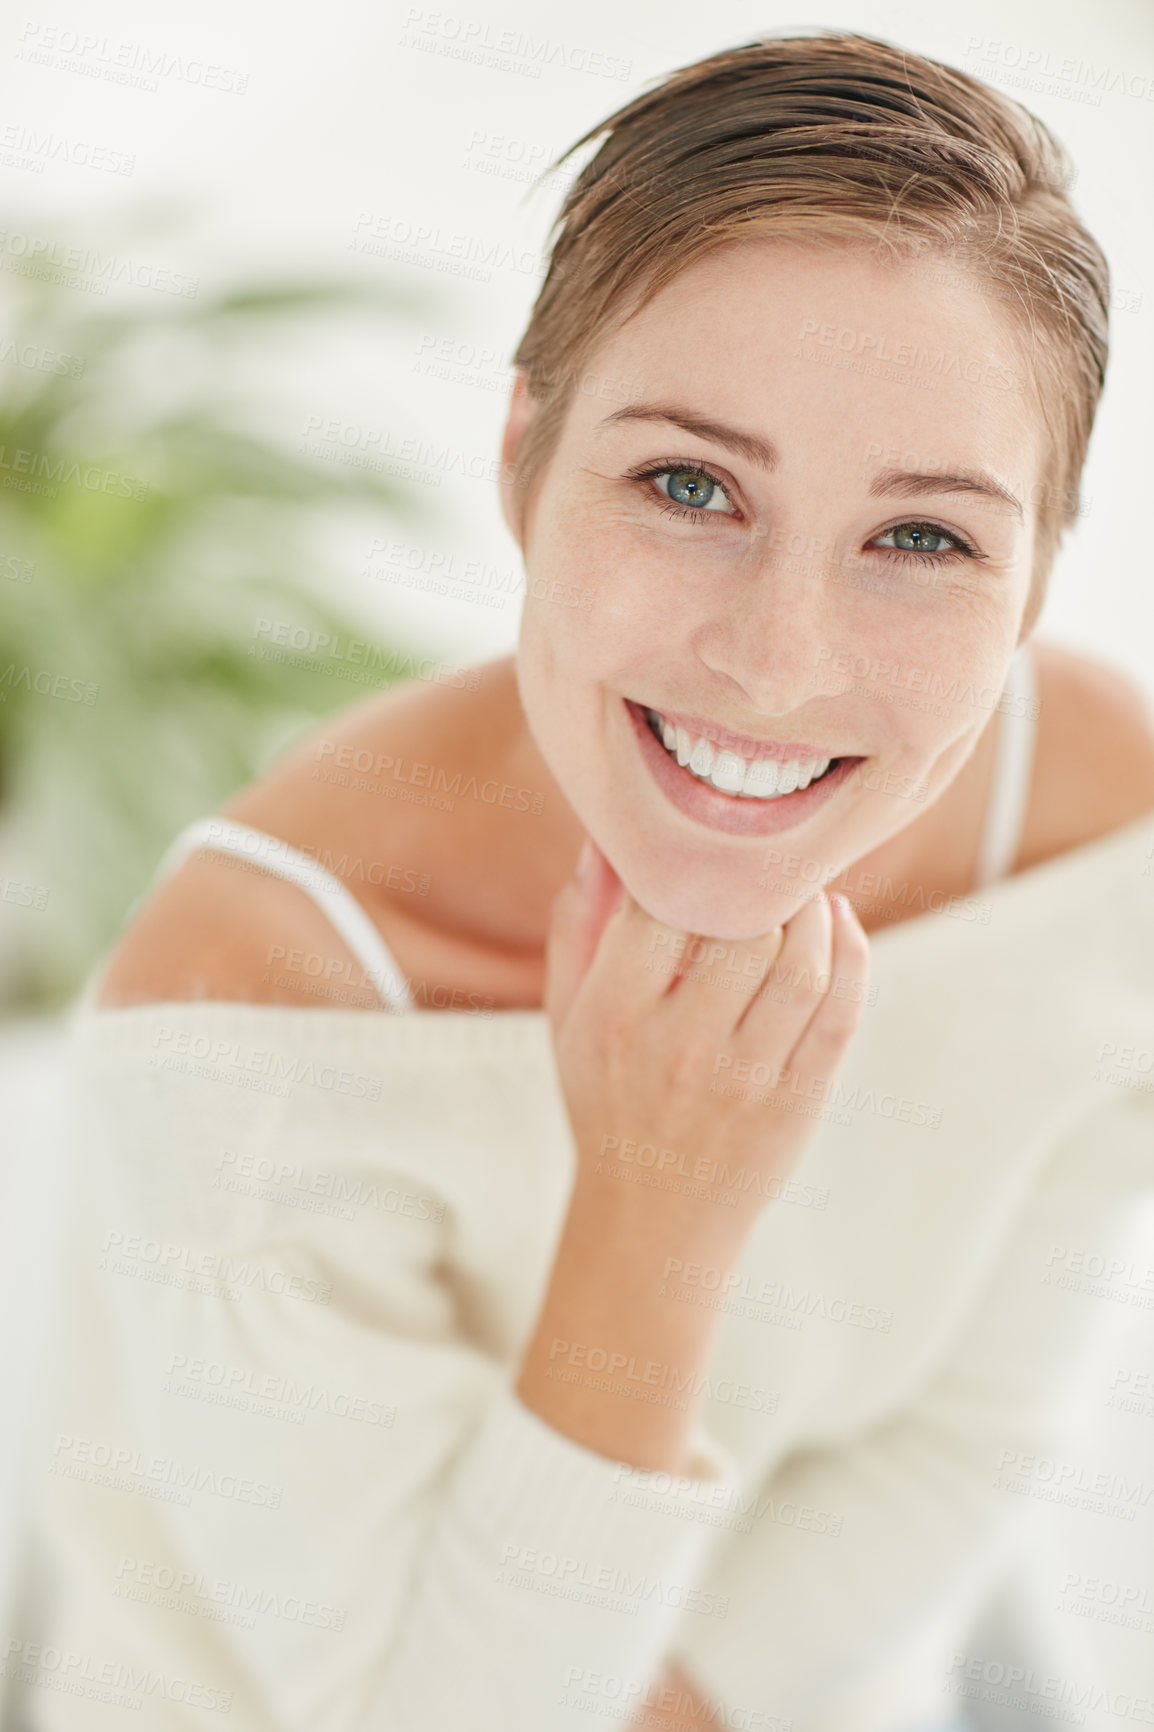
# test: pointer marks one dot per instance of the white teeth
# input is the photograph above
(789, 778)
(763, 779)
(728, 773)
(701, 759)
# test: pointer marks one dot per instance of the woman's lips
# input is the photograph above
(730, 812)
(743, 744)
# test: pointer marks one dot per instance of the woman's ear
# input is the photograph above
(521, 407)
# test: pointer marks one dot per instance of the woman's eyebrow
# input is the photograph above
(911, 484)
(906, 483)
(746, 445)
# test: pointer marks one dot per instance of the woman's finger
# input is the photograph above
(636, 960)
(823, 1042)
(722, 977)
(580, 914)
(792, 988)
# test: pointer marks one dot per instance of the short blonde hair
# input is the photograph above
(840, 136)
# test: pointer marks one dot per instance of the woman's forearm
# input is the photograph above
(673, 1705)
(614, 1360)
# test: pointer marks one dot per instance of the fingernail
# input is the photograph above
(585, 860)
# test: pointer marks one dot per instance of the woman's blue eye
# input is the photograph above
(916, 538)
(691, 487)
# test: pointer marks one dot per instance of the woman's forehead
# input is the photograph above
(778, 292)
(798, 348)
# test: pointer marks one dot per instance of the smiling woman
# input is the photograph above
(705, 608)
(664, 1327)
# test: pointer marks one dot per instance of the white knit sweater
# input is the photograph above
(284, 1474)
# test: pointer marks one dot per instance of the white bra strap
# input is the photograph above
(1013, 765)
(331, 896)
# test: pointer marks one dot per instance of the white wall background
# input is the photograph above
(289, 135)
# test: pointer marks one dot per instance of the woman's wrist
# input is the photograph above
(698, 1221)
(672, 1704)
(616, 1358)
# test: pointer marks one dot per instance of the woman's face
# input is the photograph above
(783, 517)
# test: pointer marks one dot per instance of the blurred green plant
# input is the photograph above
(144, 526)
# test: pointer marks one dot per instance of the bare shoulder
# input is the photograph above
(1094, 756)
(219, 928)
(222, 928)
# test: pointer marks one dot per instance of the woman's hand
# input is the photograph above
(681, 1090)
(685, 1060)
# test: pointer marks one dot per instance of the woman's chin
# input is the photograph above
(719, 914)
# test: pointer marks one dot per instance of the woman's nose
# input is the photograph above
(771, 635)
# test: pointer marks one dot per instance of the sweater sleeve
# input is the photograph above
(929, 1499)
(280, 1467)
(545, 1573)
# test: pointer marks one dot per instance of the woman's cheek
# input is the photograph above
(625, 593)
